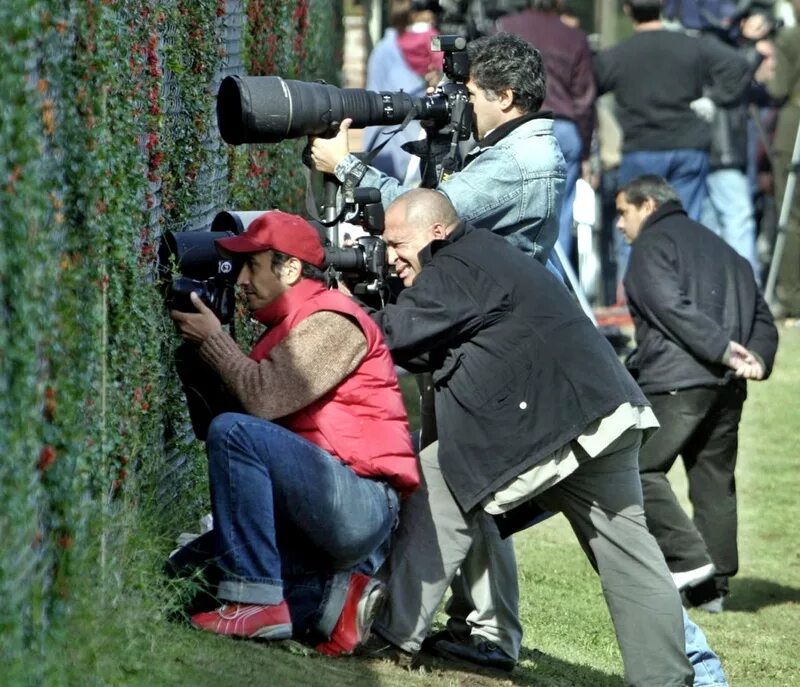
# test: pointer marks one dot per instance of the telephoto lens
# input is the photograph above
(270, 109)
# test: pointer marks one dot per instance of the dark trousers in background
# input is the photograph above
(701, 425)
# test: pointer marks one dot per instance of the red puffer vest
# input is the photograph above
(362, 421)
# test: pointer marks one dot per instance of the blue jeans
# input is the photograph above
(569, 140)
(685, 170)
(288, 516)
(728, 211)
(707, 667)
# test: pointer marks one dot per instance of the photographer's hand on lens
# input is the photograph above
(196, 327)
(326, 153)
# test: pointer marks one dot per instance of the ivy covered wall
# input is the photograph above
(107, 140)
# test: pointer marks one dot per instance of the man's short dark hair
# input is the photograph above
(644, 10)
(546, 5)
(506, 61)
(308, 271)
(649, 186)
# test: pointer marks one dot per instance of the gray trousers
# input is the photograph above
(603, 502)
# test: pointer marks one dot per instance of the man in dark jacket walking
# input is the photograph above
(533, 410)
(702, 329)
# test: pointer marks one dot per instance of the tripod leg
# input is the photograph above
(783, 220)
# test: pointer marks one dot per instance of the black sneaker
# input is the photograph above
(445, 635)
(478, 651)
(378, 648)
(699, 595)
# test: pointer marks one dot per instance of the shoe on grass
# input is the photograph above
(247, 620)
(704, 595)
(364, 600)
(446, 635)
(713, 606)
(691, 578)
(478, 651)
(376, 647)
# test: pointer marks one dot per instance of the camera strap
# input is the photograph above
(372, 154)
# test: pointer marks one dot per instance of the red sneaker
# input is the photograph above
(364, 600)
(247, 620)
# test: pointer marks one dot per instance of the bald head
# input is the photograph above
(412, 221)
(423, 206)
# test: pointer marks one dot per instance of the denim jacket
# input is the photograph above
(512, 183)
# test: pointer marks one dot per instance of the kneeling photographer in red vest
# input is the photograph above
(307, 478)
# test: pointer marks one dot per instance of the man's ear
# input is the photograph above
(649, 206)
(292, 271)
(439, 231)
(506, 98)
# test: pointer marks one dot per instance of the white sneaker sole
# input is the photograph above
(691, 578)
(273, 632)
(372, 601)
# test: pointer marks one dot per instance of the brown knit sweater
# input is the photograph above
(316, 355)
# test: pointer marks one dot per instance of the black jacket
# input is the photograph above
(518, 369)
(655, 75)
(689, 294)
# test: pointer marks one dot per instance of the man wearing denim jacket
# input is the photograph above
(513, 180)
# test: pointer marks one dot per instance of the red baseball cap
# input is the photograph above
(279, 231)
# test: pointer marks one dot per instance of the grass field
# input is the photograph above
(568, 637)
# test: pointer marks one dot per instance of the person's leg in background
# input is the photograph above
(710, 458)
(707, 667)
(787, 288)
(610, 236)
(728, 211)
(680, 414)
(569, 140)
(686, 172)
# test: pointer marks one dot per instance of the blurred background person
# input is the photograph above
(666, 84)
(728, 209)
(403, 60)
(785, 85)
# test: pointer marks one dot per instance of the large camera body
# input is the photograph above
(188, 262)
(362, 266)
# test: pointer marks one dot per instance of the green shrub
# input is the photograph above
(107, 140)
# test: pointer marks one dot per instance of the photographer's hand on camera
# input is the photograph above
(196, 327)
(326, 153)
